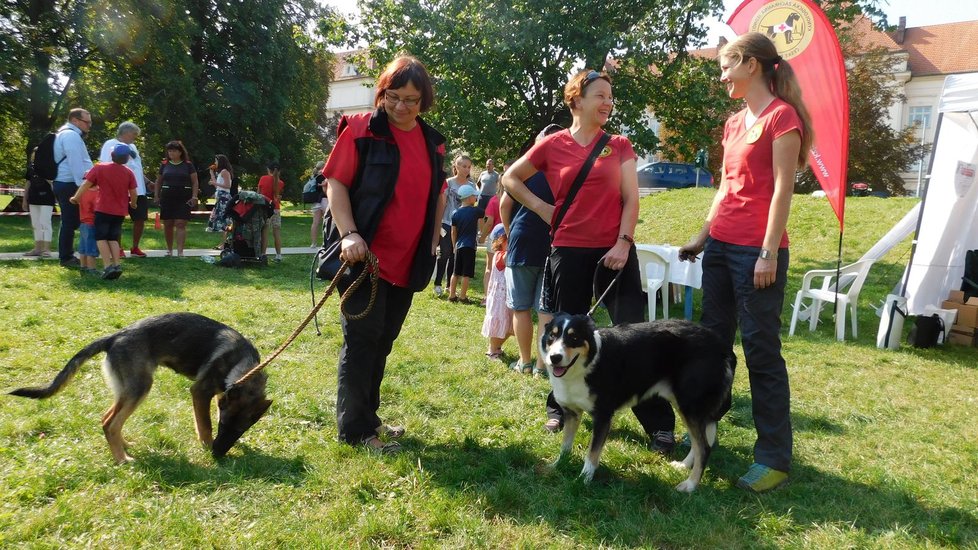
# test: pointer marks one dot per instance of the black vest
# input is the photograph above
(373, 188)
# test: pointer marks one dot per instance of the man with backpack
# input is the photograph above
(73, 162)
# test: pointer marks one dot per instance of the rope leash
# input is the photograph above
(372, 269)
(597, 302)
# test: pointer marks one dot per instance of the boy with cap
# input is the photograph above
(117, 193)
(465, 229)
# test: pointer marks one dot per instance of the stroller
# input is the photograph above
(249, 211)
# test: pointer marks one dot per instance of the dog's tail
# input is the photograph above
(730, 362)
(68, 372)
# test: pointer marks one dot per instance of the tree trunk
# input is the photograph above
(40, 116)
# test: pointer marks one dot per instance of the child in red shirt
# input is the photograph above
(87, 248)
(116, 182)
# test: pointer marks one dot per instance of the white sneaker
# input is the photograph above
(439, 290)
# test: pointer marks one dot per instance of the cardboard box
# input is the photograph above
(961, 329)
(956, 296)
(967, 314)
(960, 339)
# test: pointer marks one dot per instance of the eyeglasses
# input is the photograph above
(393, 100)
(89, 121)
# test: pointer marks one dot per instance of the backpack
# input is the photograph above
(42, 160)
(311, 191)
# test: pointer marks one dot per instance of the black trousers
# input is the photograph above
(363, 357)
(573, 279)
(445, 265)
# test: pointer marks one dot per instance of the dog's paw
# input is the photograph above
(587, 473)
(125, 459)
(686, 486)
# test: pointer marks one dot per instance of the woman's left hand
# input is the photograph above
(765, 272)
(616, 257)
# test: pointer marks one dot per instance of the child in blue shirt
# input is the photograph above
(465, 229)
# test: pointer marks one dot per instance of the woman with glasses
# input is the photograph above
(593, 244)
(745, 242)
(385, 179)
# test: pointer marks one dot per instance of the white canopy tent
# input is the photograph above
(948, 225)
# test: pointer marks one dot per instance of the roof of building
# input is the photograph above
(343, 69)
(931, 49)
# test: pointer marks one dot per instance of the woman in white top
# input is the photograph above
(221, 180)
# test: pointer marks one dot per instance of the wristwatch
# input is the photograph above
(768, 255)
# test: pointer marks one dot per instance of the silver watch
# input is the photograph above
(768, 255)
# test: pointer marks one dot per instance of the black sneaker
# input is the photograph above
(663, 442)
(71, 263)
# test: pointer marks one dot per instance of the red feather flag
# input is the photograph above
(805, 38)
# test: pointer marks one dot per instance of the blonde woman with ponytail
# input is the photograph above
(744, 240)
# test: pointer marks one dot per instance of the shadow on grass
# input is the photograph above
(175, 470)
(632, 508)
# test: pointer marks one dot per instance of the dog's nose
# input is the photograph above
(556, 358)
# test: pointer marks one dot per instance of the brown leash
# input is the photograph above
(372, 269)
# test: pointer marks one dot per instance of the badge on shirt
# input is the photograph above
(754, 133)
(605, 152)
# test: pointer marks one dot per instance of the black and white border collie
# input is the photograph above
(603, 370)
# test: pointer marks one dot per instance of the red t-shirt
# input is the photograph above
(114, 182)
(492, 211)
(748, 170)
(86, 206)
(399, 231)
(594, 218)
(265, 188)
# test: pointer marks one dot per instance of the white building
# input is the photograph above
(350, 92)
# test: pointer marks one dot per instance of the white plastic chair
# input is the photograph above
(655, 275)
(851, 279)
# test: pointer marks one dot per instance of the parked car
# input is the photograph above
(673, 175)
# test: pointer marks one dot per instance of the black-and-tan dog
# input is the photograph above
(603, 370)
(213, 354)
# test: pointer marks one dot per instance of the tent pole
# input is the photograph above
(923, 204)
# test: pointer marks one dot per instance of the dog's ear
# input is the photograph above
(590, 323)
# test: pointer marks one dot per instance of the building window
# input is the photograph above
(919, 117)
(349, 69)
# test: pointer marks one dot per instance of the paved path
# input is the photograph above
(190, 252)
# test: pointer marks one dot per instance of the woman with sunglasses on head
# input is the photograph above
(593, 245)
(385, 181)
(744, 241)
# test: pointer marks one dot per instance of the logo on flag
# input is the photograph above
(788, 23)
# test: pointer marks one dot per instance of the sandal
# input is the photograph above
(383, 449)
(523, 368)
(393, 432)
(553, 425)
(540, 373)
(494, 354)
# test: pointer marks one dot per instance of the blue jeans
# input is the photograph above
(69, 219)
(729, 300)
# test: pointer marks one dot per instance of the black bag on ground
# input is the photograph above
(925, 331)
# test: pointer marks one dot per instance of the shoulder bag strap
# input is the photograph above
(579, 181)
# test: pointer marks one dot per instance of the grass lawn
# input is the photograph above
(886, 444)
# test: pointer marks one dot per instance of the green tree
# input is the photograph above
(500, 67)
(249, 79)
(877, 152)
